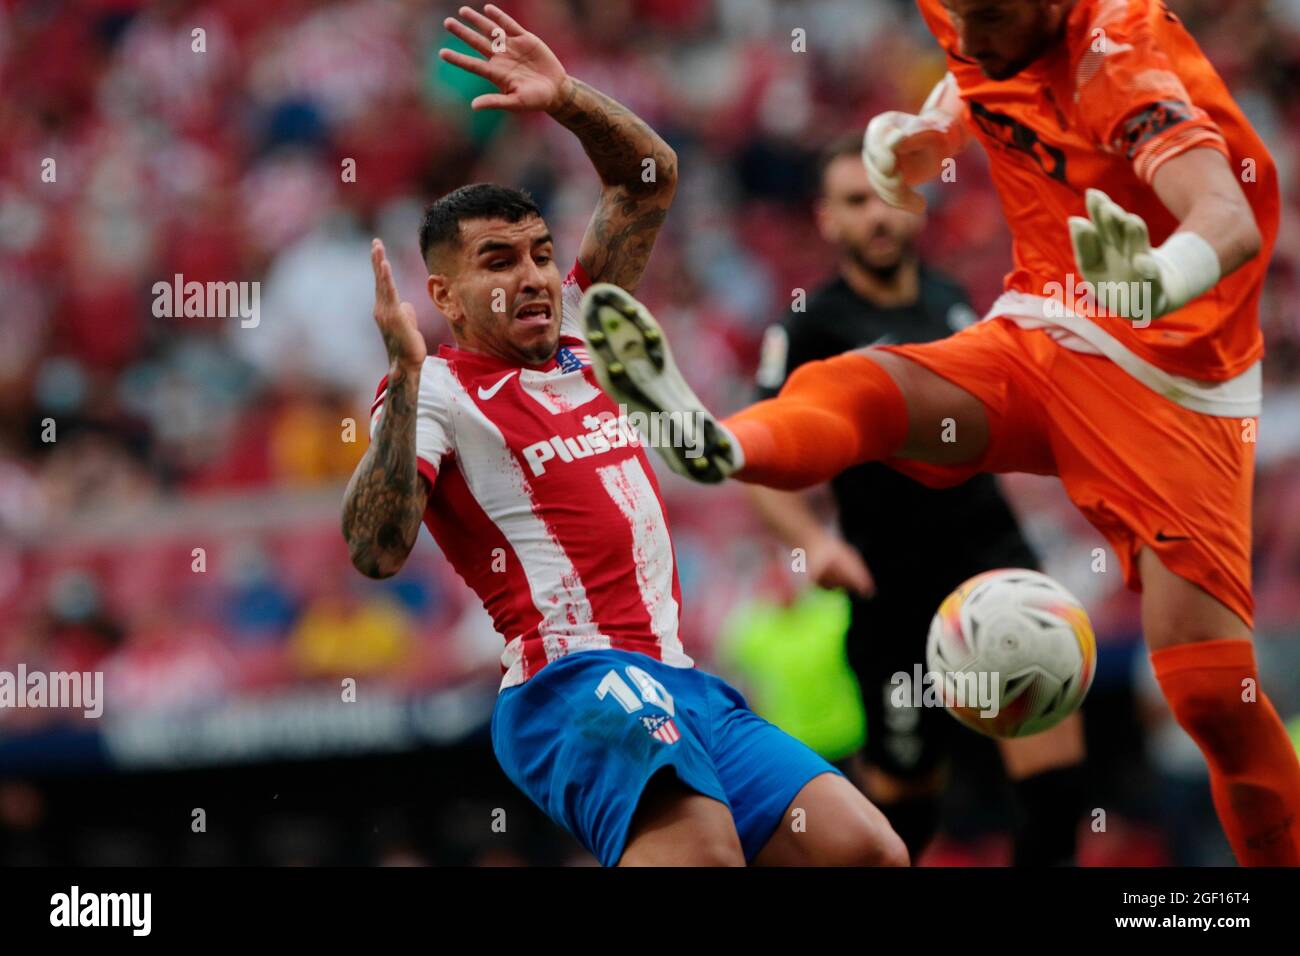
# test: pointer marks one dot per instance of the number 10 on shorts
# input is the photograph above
(652, 692)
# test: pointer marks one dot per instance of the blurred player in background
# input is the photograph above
(545, 503)
(905, 547)
(1142, 398)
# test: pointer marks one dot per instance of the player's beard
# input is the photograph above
(883, 272)
(537, 349)
(540, 353)
(494, 335)
(1009, 70)
(1046, 32)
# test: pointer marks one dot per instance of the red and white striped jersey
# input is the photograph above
(545, 503)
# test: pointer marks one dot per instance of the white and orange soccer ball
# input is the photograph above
(1022, 640)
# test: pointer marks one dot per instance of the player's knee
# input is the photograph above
(869, 841)
(1175, 629)
(693, 846)
(1177, 610)
(717, 849)
(881, 846)
(704, 842)
(675, 826)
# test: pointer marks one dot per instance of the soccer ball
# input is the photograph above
(1013, 652)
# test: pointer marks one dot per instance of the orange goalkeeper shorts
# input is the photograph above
(1142, 469)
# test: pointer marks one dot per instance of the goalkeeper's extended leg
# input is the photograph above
(830, 415)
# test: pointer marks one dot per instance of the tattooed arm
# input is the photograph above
(637, 169)
(386, 496)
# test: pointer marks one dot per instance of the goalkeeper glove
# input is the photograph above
(901, 150)
(1114, 254)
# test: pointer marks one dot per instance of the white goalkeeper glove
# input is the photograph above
(1114, 253)
(901, 150)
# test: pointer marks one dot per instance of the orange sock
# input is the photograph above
(1254, 772)
(830, 415)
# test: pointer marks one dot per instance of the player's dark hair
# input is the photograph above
(846, 144)
(476, 201)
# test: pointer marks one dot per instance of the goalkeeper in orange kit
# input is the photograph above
(1123, 356)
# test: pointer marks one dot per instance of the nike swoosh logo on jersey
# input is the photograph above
(1161, 536)
(486, 393)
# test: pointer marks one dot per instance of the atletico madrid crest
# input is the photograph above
(571, 359)
(661, 728)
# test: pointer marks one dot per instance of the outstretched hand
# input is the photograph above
(529, 76)
(1113, 252)
(395, 318)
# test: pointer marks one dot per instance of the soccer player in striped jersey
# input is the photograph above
(543, 499)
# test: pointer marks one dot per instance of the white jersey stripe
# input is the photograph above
(652, 551)
(558, 393)
(499, 486)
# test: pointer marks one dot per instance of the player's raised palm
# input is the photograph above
(529, 76)
(1113, 249)
(395, 318)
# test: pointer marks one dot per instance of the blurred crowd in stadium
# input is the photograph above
(180, 531)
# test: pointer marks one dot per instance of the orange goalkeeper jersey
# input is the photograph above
(1126, 90)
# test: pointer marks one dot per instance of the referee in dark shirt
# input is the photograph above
(903, 547)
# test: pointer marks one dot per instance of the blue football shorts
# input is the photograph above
(583, 737)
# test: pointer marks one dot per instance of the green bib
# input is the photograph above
(791, 664)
